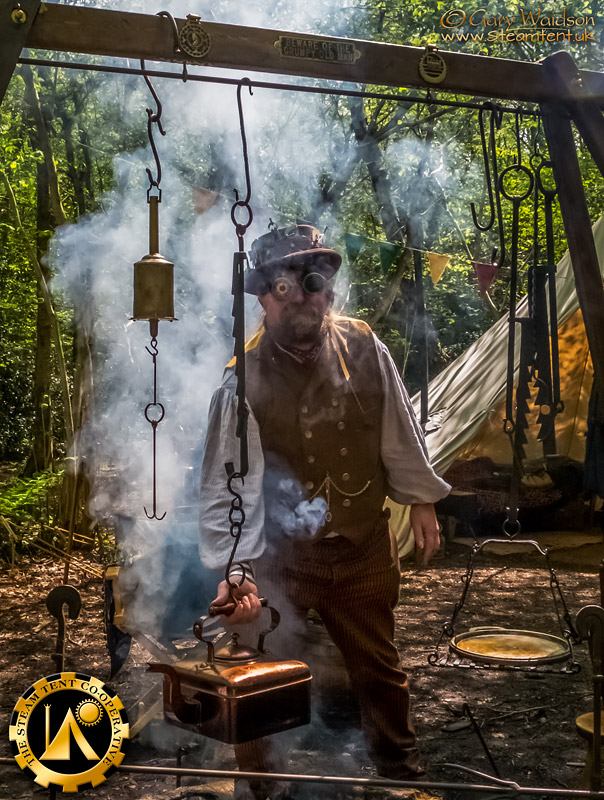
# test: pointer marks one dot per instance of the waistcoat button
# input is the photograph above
(304, 409)
(328, 516)
(340, 426)
(344, 451)
(308, 434)
(334, 401)
(310, 459)
(309, 485)
(346, 503)
(345, 477)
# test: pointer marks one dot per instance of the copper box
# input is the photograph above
(237, 703)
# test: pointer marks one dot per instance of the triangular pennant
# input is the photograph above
(388, 255)
(486, 274)
(438, 263)
(204, 200)
(354, 245)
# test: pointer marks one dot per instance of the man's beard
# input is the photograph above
(298, 326)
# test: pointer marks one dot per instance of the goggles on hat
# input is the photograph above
(283, 287)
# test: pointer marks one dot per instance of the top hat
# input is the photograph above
(296, 247)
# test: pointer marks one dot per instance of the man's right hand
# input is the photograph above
(246, 596)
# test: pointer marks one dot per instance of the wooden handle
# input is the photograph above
(227, 609)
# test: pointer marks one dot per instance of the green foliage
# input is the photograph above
(74, 110)
(32, 500)
(429, 158)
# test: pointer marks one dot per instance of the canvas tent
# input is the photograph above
(466, 400)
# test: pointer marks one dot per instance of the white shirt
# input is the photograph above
(403, 451)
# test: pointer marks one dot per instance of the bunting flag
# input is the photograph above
(438, 263)
(486, 274)
(388, 254)
(204, 200)
(354, 245)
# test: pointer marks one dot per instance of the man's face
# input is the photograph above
(295, 317)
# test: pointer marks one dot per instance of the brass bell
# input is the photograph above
(153, 278)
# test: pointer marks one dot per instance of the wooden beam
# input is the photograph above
(577, 226)
(120, 34)
(15, 24)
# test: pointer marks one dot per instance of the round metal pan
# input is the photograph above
(507, 646)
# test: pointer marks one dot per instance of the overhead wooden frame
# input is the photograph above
(562, 91)
(126, 35)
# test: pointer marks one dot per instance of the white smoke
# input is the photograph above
(290, 143)
(292, 140)
(290, 512)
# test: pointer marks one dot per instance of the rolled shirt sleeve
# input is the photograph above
(411, 478)
(222, 446)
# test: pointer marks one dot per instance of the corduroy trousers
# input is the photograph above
(354, 589)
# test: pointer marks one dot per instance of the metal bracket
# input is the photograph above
(16, 18)
(58, 598)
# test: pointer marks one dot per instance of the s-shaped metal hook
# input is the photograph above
(153, 118)
(241, 227)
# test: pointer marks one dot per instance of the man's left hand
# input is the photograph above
(426, 531)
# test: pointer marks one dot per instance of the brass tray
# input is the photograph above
(507, 646)
(585, 726)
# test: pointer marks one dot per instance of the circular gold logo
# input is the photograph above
(194, 40)
(68, 731)
(432, 67)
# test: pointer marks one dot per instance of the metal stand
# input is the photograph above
(570, 634)
(59, 598)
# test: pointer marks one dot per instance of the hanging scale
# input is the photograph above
(154, 285)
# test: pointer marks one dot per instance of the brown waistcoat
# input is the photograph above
(320, 429)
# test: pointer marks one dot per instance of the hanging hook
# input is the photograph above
(241, 227)
(153, 118)
(536, 156)
(518, 116)
(176, 35)
(487, 171)
(492, 178)
(495, 121)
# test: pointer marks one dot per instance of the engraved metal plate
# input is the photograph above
(194, 40)
(336, 52)
(432, 67)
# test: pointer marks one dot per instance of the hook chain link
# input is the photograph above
(236, 511)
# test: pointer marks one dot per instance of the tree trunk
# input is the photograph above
(40, 455)
(49, 214)
(74, 174)
(394, 221)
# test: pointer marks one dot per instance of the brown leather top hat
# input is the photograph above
(296, 247)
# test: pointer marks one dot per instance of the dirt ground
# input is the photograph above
(527, 719)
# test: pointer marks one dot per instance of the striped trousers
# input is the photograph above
(354, 589)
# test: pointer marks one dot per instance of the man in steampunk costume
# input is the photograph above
(331, 434)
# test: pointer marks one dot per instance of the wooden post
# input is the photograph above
(579, 102)
(16, 20)
(577, 226)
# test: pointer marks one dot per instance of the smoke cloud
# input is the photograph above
(201, 159)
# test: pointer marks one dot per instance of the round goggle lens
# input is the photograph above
(312, 283)
(282, 287)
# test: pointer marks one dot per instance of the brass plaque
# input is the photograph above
(336, 52)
